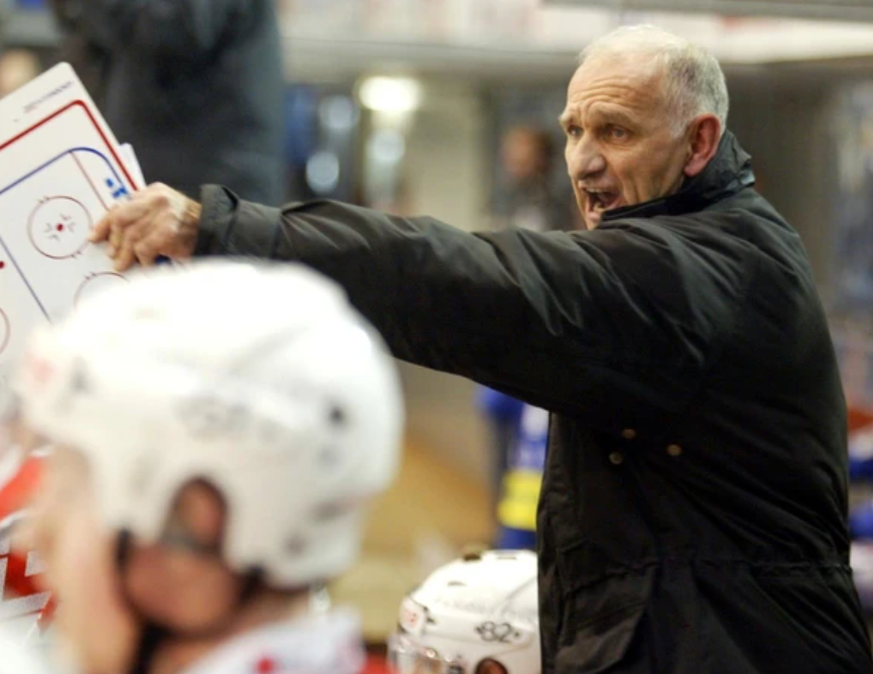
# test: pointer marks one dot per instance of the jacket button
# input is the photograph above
(628, 434)
(674, 450)
(616, 458)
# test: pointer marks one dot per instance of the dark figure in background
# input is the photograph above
(692, 517)
(527, 197)
(195, 86)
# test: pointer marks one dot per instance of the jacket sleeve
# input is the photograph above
(176, 29)
(565, 321)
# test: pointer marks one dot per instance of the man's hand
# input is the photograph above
(156, 221)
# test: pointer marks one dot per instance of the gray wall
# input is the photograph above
(785, 126)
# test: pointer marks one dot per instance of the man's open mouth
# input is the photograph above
(600, 201)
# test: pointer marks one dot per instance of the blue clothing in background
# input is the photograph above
(517, 512)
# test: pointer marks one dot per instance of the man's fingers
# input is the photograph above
(117, 237)
(100, 231)
(147, 251)
(161, 238)
(123, 241)
(124, 258)
(123, 215)
(122, 252)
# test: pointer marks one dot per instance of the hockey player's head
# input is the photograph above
(476, 615)
(216, 433)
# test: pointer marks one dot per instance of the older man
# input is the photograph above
(693, 513)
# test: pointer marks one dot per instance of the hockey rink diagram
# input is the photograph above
(47, 265)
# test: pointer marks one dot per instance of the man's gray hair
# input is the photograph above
(694, 81)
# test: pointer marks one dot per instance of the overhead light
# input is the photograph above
(390, 94)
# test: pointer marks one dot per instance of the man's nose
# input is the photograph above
(586, 159)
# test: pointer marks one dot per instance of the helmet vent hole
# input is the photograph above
(337, 416)
(295, 546)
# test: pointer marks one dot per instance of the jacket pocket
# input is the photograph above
(600, 621)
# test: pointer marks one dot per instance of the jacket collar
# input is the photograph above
(729, 171)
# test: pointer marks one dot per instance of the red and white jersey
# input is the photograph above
(21, 604)
(330, 643)
(24, 609)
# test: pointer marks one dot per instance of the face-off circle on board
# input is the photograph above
(58, 227)
(97, 283)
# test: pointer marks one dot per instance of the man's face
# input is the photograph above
(93, 622)
(620, 149)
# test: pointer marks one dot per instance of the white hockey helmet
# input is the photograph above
(474, 612)
(259, 379)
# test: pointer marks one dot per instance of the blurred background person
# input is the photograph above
(17, 68)
(519, 440)
(196, 87)
(502, 414)
(528, 196)
(522, 481)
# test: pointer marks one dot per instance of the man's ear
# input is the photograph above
(704, 135)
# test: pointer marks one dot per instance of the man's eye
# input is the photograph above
(617, 133)
(574, 131)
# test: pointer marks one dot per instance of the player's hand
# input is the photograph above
(156, 221)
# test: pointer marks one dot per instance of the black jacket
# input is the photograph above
(196, 86)
(693, 513)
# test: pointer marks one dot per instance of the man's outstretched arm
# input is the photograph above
(551, 318)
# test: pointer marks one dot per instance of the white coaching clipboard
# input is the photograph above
(61, 169)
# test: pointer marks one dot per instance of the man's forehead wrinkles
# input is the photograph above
(620, 91)
(607, 105)
(619, 81)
